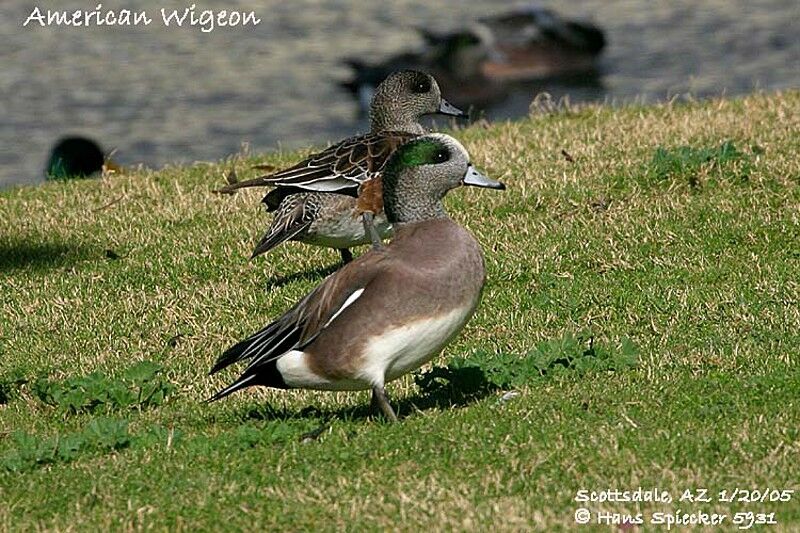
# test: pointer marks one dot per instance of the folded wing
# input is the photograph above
(340, 168)
(299, 326)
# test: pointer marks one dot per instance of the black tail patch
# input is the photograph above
(265, 374)
(235, 353)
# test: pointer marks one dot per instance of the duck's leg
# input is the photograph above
(380, 400)
(369, 203)
(347, 255)
(369, 229)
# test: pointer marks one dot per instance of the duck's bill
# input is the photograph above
(476, 179)
(446, 108)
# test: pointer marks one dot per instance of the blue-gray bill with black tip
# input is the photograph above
(446, 108)
(476, 179)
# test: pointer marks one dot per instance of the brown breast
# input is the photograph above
(370, 196)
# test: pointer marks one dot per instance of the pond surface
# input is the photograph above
(175, 95)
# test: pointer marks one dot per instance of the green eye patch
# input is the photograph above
(417, 153)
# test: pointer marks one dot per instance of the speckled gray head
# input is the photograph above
(420, 174)
(403, 98)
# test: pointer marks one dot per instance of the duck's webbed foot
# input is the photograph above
(381, 401)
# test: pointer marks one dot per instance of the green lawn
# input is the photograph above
(642, 303)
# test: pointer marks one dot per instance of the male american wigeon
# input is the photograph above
(392, 309)
(306, 211)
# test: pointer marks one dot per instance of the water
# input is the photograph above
(168, 95)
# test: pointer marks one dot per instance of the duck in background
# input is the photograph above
(476, 65)
(537, 43)
(78, 157)
(454, 59)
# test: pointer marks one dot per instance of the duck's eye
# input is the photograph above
(421, 86)
(441, 156)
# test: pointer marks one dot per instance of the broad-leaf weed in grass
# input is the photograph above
(252, 435)
(100, 435)
(570, 355)
(140, 386)
(688, 163)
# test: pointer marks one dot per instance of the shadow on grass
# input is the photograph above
(306, 275)
(38, 254)
(440, 388)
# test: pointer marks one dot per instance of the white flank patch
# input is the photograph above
(296, 373)
(403, 349)
(350, 299)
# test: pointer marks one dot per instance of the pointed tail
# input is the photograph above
(240, 383)
(264, 373)
(231, 188)
(276, 235)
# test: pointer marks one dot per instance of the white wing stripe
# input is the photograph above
(350, 299)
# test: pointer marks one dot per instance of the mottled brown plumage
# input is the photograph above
(340, 168)
(370, 197)
(397, 106)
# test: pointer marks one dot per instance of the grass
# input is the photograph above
(640, 327)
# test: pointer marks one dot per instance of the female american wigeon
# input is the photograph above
(392, 309)
(332, 220)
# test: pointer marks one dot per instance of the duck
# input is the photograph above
(77, 157)
(536, 43)
(392, 309)
(532, 22)
(479, 64)
(317, 200)
(455, 59)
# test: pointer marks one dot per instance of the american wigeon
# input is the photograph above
(304, 208)
(391, 310)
